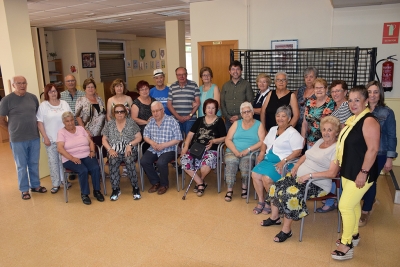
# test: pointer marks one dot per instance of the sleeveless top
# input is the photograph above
(354, 153)
(144, 111)
(203, 97)
(257, 103)
(128, 108)
(273, 104)
(242, 139)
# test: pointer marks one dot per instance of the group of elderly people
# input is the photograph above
(355, 136)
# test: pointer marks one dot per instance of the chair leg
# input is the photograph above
(315, 206)
(65, 187)
(301, 229)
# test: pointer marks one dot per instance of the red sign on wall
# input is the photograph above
(391, 33)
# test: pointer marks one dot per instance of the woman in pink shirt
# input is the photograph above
(78, 155)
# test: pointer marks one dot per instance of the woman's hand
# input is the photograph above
(388, 165)
(92, 154)
(128, 150)
(88, 132)
(76, 160)
(259, 158)
(294, 170)
(303, 178)
(360, 180)
(209, 145)
(279, 166)
(46, 141)
(112, 153)
(237, 154)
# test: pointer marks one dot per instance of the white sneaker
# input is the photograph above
(136, 193)
(115, 194)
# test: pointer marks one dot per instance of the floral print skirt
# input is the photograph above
(288, 196)
(209, 159)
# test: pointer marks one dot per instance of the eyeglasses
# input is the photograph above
(319, 88)
(246, 111)
(206, 75)
(19, 83)
(337, 91)
(157, 110)
(280, 80)
(120, 112)
(53, 92)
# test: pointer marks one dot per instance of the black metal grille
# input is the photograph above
(352, 64)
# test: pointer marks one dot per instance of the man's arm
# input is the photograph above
(249, 93)
(196, 104)
(3, 123)
(223, 104)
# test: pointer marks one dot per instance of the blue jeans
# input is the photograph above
(147, 161)
(26, 155)
(186, 126)
(88, 165)
(369, 196)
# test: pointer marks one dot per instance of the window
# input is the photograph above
(112, 60)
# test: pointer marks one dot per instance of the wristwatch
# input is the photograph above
(130, 145)
(190, 114)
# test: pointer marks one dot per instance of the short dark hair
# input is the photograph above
(337, 82)
(210, 101)
(180, 68)
(203, 69)
(381, 101)
(87, 82)
(360, 89)
(47, 88)
(117, 82)
(142, 83)
(235, 63)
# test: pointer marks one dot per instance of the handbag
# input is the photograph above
(197, 150)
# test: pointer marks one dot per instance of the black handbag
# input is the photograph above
(197, 150)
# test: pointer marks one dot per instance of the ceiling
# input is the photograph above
(144, 18)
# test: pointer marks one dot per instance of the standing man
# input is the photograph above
(71, 94)
(184, 100)
(162, 133)
(160, 91)
(234, 93)
(21, 107)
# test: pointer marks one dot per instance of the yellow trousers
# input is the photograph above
(350, 208)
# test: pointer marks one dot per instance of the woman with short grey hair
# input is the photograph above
(306, 91)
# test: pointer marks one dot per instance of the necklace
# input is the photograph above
(277, 131)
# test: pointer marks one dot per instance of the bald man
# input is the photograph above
(20, 107)
(71, 94)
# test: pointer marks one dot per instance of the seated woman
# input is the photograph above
(281, 144)
(208, 130)
(287, 194)
(78, 155)
(244, 136)
(120, 138)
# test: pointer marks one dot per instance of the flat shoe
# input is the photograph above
(321, 210)
(162, 190)
(86, 199)
(228, 198)
(40, 190)
(269, 222)
(154, 188)
(25, 195)
(55, 189)
(363, 219)
(98, 195)
(258, 210)
(200, 191)
(282, 236)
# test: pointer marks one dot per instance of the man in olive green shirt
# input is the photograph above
(234, 93)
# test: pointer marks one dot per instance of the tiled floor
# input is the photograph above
(167, 231)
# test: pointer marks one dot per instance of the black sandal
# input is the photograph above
(244, 195)
(25, 195)
(55, 189)
(339, 255)
(228, 198)
(40, 190)
(200, 191)
(269, 222)
(195, 188)
(282, 236)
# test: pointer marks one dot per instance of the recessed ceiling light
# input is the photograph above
(172, 13)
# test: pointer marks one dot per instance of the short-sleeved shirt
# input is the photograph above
(119, 140)
(183, 97)
(161, 96)
(284, 144)
(50, 116)
(76, 144)
(21, 112)
(204, 132)
(167, 131)
(342, 113)
(92, 118)
(71, 100)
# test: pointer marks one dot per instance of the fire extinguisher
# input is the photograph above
(387, 73)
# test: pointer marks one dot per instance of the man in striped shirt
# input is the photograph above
(184, 100)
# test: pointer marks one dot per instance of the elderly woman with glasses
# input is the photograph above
(244, 136)
(279, 97)
(263, 82)
(120, 138)
(49, 122)
(208, 90)
(282, 143)
(316, 108)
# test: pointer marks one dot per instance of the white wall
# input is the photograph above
(363, 27)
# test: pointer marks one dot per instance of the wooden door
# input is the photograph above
(216, 55)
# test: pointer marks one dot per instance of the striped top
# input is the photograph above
(183, 97)
(342, 113)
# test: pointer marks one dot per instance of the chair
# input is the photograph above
(220, 151)
(174, 160)
(106, 163)
(330, 195)
(66, 173)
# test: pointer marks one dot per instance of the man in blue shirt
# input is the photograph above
(163, 134)
(160, 91)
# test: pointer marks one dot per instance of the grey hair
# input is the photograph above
(282, 73)
(66, 114)
(245, 105)
(310, 69)
(286, 109)
(156, 103)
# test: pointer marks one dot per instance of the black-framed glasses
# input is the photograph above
(120, 112)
